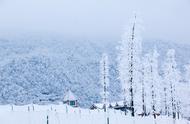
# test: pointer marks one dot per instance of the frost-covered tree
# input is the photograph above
(171, 79)
(184, 93)
(151, 83)
(147, 82)
(165, 98)
(143, 87)
(104, 73)
(155, 82)
(129, 63)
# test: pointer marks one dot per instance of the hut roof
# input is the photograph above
(69, 96)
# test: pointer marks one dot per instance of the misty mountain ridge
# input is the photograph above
(40, 70)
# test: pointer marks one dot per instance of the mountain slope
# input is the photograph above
(40, 71)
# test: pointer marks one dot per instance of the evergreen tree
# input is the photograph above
(143, 88)
(171, 79)
(147, 82)
(151, 83)
(105, 83)
(156, 81)
(184, 93)
(129, 63)
(104, 71)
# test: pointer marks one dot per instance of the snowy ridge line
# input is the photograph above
(63, 114)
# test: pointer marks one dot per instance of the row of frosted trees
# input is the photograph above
(145, 90)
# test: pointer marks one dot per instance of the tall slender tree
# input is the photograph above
(156, 81)
(151, 82)
(129, 62)
(171, 78)
(104, 70)
(165, 98)
(143, 87)
(184, 92)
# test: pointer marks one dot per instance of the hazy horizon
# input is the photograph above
(95, 20)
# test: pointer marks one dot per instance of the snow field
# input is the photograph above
(62, 114)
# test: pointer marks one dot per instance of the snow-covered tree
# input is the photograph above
(171, 80)
(184, 92)
(147, 82)
(151, 82)
(104, 73)
(129, 63)
(155, 82)
(165, 100)
(143, 87)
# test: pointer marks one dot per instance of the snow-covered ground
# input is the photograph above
(62, 114)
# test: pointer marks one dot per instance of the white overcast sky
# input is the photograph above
(96, 19)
